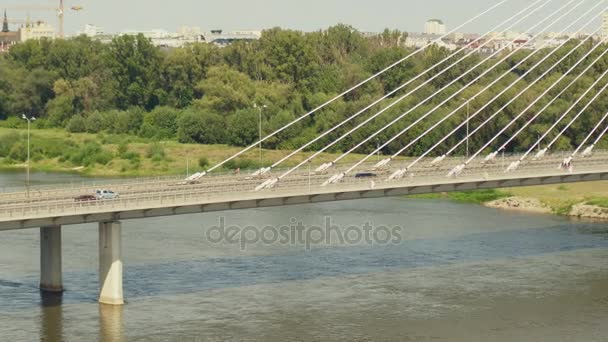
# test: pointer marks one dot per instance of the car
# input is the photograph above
(365, 175)
(105, 195)
(85, 198)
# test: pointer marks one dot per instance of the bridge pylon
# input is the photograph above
(110, 263)
(50, 259)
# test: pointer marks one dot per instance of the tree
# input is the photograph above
(201, 127)
(225, 91)
(134, 63)
(242, 127)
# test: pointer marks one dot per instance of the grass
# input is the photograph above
(598, 202)
(473, 197)
(55, 150)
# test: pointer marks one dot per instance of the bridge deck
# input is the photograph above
(228, 192)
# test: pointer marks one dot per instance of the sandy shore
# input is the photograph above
(533, 205)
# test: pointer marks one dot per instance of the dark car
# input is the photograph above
(365, 175)
(85, 198)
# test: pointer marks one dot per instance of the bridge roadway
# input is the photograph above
(170, 196)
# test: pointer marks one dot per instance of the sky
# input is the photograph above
(307, 15)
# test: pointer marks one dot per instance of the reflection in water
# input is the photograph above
(51, 325)
(111, 323)
(462, 273)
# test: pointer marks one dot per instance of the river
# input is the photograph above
(458, 273)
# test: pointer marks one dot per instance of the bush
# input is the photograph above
(77, 124)
(156, 152)
(123, 147)
(94, 122)
(203, 162)
(202, 128)
(161, 123)
(13, 122)
(132, 156)
(243, 164)
(89, 154)
(6, 143)
(18, 151)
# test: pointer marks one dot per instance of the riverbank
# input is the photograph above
(110, 155)
(580, 200)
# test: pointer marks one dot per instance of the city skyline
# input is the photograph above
(115, 16)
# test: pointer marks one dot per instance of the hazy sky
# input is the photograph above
(366, 15)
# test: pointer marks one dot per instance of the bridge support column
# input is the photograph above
(50, 259)
(110, 263)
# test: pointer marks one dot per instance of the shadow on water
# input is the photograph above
(51, 317)
(111, 326)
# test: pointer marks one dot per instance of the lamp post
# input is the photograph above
(260, 109)
(468, 125)
(29, 121)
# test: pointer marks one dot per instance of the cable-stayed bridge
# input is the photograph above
(507, 79)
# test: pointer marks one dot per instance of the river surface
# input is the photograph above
(457, 273)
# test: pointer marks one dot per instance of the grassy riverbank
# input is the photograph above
(587, 200)
(105, 155)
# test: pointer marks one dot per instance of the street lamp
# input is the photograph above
(260, 109)
(29, 121)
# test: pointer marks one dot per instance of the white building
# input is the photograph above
(419, 40)
(434, 26)
(151, 34)
(36, 30)
(93, 31)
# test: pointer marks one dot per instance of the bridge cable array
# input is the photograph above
(515, 165)
(272, 182)
(355, 87)
(493, 155)
(338, 177)
(527, 11)
(460, 168)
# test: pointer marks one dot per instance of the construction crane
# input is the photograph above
(60, 10)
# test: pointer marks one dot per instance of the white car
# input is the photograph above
(105, 194)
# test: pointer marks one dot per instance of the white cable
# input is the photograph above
(590, 148)
(576, 117)
(355, 87)
(515, 165)
(542, 110)
(442, 157)
(454, 95)
(524, 11)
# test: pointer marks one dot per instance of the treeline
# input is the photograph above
(210, 95)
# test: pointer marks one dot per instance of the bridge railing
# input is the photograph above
(237, 191)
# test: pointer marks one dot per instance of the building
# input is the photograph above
(7, 38)
(37, 30)
(220, 38)
(420, 40)
(93, 31)
(150, 34)
(435, 27)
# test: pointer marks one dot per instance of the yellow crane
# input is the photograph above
(60, 10)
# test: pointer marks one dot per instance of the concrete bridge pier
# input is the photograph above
(110, 263)
(50, 259)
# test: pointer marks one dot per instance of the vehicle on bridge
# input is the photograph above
(366, 175)
(85, 198)
(105, 195)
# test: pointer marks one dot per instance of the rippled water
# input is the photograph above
(461, 273)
